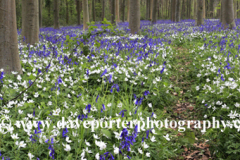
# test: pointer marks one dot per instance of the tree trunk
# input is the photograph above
(177, 10)
(147, 9)
(9, 56)
(189, 9)
(78, 12)
(134, 19)
(183, 9)
(103, 9)
(113, 12)
(235, 9)
(93, 10)
(204, 10)
(67, 12)
(30, 22)
(154, 12)
(173, 10)
(228, 13)
(117, 11)
(195, 10)
(128, 10)
(40, 13)
(56, 14)
(199, 12)
(85, 14)
(123, 11)
(151, 9)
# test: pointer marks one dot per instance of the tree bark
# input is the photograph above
(123, 11)
(56, 14)
(228, 13)
(199, 12)
(9, 56)
(128, 10)
(93, 10)
(67, 12)
(154, 12)
(78, 12)
(177, 10)
(117, 11)
(151, 9)
(103, 9)
(173, 10)
(85, 14)
(134, 19)
(183, 9)
(147, 9)
(30, 22)
(204, 10)
(40, 13)
(113, 12)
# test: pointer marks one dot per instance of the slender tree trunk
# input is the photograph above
(204, 10)
(228, 14)
(56, 14)
(93, 10)
(103, 9)
(183, 10)
(117, 11)
(128, 10)
(173, 10)
(177, 10)
(235, 9)
(113, 18)
(147, 10)
(85, 14)
(189, 9)
(123, 11)
(30, 22)
(134, 19)
(67, 12)
(199, 12)
(40, 13)
(9, 56)
(195, 10)
(78, 12)
(154, 12)
(151, 9)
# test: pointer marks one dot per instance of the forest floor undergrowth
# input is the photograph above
(185, 107)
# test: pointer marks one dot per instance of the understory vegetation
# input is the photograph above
(105, 74)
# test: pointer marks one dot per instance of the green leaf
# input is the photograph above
(190, 136)
(106, 133)
(67, 37)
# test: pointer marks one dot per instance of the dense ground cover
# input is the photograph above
(109, 74)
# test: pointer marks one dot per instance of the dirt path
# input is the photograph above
(185, 108)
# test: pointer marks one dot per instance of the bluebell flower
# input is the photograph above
(103, 107)
(104, 72)
(122, 112)
(97, 98)
(79, 95)
(30, 82)
(222, 78)
(87, 72)
(59, 80)
(1, 98)
(64, 132)
(52, 151)
(115, 86)
(110, 78)
(88, 108)
(39, 71)
(146, 93)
